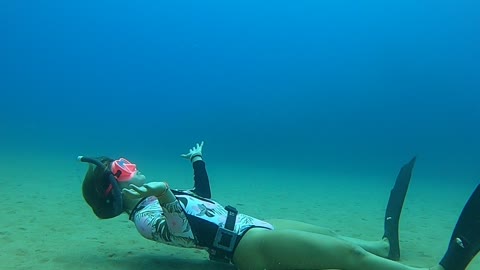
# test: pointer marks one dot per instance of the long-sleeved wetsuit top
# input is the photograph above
(191, 220)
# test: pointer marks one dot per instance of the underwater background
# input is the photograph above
(307, 108)
(317, 85)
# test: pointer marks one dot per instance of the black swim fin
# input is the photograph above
(465, 241)
(394, 209)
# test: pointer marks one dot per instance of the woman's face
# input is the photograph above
(138, 179)
(127, 173)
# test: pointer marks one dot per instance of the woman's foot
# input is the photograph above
(385, 247)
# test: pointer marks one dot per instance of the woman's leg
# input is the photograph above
(379, 247)
(292, 249)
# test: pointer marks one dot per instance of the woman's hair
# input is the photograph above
(92, 188)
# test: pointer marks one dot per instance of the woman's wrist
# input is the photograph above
(166, 196)
(196, 157)
(164, 191)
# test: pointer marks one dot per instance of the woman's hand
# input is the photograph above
(149, 189)
(194, 153)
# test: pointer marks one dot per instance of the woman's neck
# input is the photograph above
(129, 204)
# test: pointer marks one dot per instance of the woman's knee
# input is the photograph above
(354, 255)
(331, 233)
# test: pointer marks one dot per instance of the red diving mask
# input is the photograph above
(123, 169)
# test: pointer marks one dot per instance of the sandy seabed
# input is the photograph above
(47, 225)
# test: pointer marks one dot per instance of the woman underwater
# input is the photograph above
(191, 219)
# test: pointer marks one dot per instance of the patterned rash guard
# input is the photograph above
(190, 221)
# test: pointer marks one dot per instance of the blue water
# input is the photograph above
(311, 85)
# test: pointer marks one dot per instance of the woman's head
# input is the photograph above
(103, 183)
(126, 173)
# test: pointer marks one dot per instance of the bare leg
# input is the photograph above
(292, 249)
(379, 248)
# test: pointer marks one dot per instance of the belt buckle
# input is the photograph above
(218, 242)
